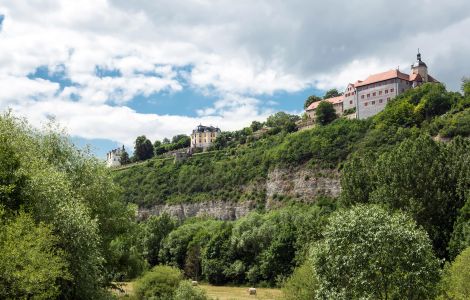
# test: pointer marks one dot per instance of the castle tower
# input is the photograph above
(419, 67)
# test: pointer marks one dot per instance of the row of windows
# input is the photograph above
(373, 102)
(375, 93)
(349, 94)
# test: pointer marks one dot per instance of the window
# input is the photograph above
(368, 95)
(380, 100)
(365, 103)
(373, 102)
(350, 102)
(391, 90)
(402, 90)
(374, 94)
(388, 99)
(386, 91)
(362, 97)
(380, 92)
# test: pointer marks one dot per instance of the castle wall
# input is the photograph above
(349, 97)
(374, 97)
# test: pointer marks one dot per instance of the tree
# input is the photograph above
(332, 93)
(125, 160)
(283, 121)
(255, 126)
(31, 265)
(370, 253)
(325, 113)
(466, 87)
(143, 149)
(455, 283)
(310, 100)
(166, 141)
(302, 284)
(154, 230)
(69, 190)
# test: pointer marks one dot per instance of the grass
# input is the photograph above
(240, 293)
(215, 292)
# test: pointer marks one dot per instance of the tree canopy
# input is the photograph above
(325, 113)
(370, 253)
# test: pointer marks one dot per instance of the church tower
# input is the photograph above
(419, 67)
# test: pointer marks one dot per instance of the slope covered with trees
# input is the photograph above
(398, 179)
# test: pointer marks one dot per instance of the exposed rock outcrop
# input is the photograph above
(222, 210)
(301, 184)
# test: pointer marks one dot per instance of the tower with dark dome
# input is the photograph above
(419, 68)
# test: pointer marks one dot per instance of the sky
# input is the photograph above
(111, 70)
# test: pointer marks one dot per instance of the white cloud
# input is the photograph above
(236, 51)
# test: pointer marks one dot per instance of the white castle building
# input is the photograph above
(370, 96)
(113, 157)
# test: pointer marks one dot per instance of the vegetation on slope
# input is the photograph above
(60, 214)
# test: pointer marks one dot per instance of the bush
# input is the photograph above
(159, 284)
(302, 284)
(186, 291)
(455, 282)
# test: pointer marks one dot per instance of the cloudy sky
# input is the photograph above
(110, 70)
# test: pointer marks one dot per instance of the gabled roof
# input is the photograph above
(333, 100)
(381, 77)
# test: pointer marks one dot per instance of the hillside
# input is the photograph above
(284, 167)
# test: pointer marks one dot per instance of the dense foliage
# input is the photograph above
(368, 253)
(67, 201)
(455, 283)
(256, 248)
(325, 113)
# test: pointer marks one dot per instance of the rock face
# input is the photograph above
(222, 210)
(302, 184)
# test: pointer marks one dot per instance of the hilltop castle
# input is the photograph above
(113, 157)
(370, 96)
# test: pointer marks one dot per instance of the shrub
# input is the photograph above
(159, 283)
(456, 279)
(186, 291)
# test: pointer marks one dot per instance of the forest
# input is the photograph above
(400, 228)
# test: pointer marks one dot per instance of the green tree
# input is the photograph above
(31, 265)
(12, 181)
(125, 160)
(466, 87)
(325, 113)
(310, 100)
(302, 284)
(143, 148)
(283, 121)
(369, 253)
(255, 126)
(455, 283)
(332, 93)
(154, 231)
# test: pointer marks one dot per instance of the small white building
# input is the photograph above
(204, 136)
(113, 157)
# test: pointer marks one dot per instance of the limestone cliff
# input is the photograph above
(301, 184)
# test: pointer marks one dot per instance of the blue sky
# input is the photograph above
(110, 70)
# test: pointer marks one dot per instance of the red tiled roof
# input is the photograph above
(382, 76)
(333, 100)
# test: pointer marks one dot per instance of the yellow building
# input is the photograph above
(204, 136)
